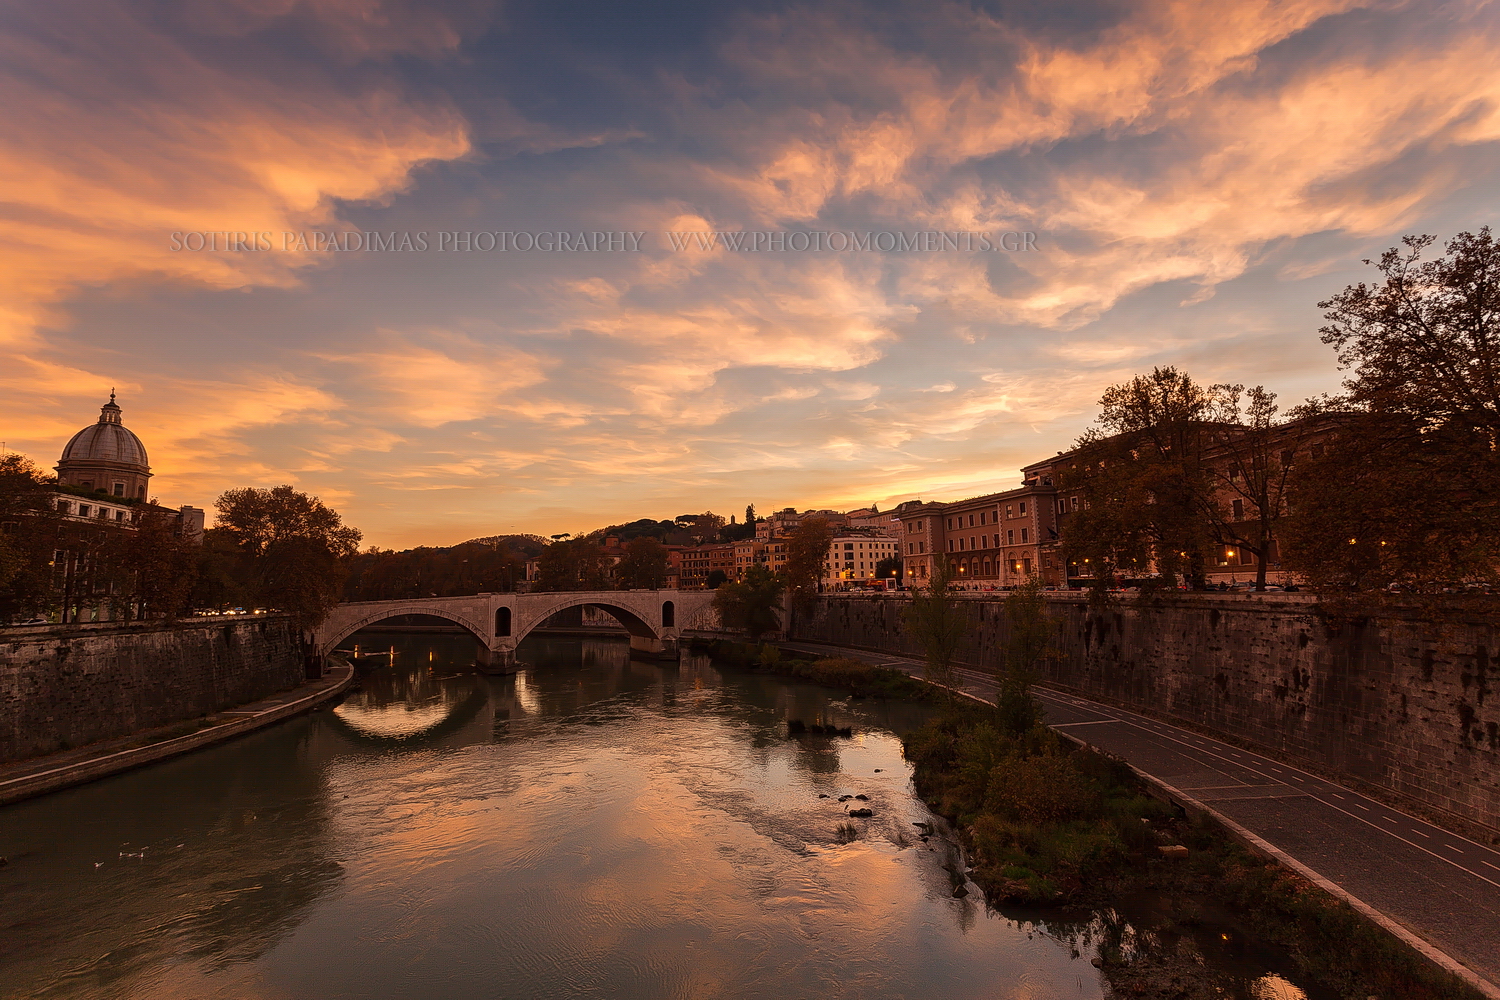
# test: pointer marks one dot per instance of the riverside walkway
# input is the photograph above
(1438, 891)
(39, 775)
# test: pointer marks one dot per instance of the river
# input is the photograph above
(589, 827)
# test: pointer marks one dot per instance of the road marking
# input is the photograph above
(1336, 795)
(1130, 720)
(1450, 847)
(1419, 833)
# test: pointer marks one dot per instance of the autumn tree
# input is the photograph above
(1028, 639)
(1407, 491)
(159, 567)
(1254, 453)
(806, 555)
(297, 549)
(28, 534)
(1142, 481)
(751, 605)
(940, 623)
(576, 564)
(644, 565)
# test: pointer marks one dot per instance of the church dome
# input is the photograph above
(107, 441)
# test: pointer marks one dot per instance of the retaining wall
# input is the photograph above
(1403, 704)
(63, 687)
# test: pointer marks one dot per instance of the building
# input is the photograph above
(699, 562)
(871, 519)
(103, 475)
(992, 542)
(853, 559)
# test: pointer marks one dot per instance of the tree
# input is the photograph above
(644, 565)
(258, 518)
(29, 524)
(1425, 343)
(222, 579)
(1254, 453)
(159, 565)
(751, 604)
(890, 568)
(806, 555)
(940, 623)
(716, 579)
(1027, 639)
(1143, 482)
(572, 565)
(1407, 491)
(297, 549)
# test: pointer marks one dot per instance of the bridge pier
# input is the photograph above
(496, 661)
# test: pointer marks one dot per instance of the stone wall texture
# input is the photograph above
(1403, 704)
(69, 686)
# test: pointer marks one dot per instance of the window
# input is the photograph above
(119, 515)
(64, 506)
(1010, 536)
(960, 545)
(971, 520)
(950, 524)
(971, 542)
(981, 517)
(922, 546)
(1025, 534)
(1239, 510)
(950, 545)
(1023, 509)
(83, 510)
(1009, 510)
(119, 489)
(1075, 503)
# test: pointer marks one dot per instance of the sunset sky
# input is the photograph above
(1197, 175)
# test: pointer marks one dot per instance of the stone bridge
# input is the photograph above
(654, 618)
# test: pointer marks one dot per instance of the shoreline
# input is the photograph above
(21, 780)
(1228, 829)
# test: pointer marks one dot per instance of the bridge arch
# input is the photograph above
(629, 619)
(344, 630)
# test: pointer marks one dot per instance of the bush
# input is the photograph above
(1040, 789)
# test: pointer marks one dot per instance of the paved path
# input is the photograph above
(1437, 885)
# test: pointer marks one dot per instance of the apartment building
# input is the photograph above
(853, 558)
(697, 563)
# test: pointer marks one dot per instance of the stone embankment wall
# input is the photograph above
(63, 687)
(1403, 704)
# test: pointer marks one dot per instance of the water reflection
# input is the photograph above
(591, 825)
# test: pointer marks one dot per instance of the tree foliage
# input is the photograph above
(29, 525)
(1408, 493)
(752, 604)
(643, 566)
(940, 623)
(1142, 482)
(294, 549)
(576, 564)
(806, 554)
(475, 567)
(1028, 639)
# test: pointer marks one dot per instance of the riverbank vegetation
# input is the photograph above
(860, 679)
(1050, 823)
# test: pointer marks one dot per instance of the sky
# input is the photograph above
(1197, 176)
